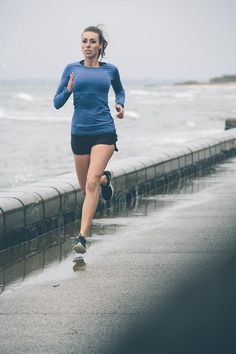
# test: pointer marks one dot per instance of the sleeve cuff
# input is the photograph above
(67, 91)
(121, 104)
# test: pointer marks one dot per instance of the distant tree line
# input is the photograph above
(224, 78)
(214, 80)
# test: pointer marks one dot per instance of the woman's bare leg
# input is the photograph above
(81, 166)
(99, 157)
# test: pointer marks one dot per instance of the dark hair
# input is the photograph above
(101, 37)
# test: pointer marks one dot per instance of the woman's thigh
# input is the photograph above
(99, 158)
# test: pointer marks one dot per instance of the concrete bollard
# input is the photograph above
(230, 123)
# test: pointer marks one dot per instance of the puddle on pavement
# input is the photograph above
(49, 258)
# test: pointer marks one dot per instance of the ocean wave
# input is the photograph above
(2, 113)
(159, 101)
(190, 123)
(35, 118)
(138, 92)
(173, 140)
(148, 93)
(187, 95)
(162, 96)
(209, 132)
(230, 97)
(132, 114)
(24, 96)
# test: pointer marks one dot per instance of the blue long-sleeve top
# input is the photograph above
(90, 97)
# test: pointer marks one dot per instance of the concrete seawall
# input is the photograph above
(36, 208)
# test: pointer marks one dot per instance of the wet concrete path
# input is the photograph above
(142, 265)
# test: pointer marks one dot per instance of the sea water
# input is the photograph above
(35, 137)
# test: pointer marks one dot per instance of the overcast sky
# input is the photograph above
(158, 39)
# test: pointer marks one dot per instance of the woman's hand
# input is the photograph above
(70, 84)
(120, 111)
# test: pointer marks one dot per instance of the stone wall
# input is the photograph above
(33, 209)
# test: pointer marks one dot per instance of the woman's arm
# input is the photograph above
(118, 89)
(119, 93)
(62, 93)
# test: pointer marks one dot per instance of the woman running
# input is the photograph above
(93, 133)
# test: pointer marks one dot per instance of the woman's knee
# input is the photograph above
(92, 183)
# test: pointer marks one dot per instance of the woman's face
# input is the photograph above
(90, 44)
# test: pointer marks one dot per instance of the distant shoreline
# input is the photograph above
(207, 84)
(225, 80)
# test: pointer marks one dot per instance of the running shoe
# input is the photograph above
(80, 246)
(107, 190)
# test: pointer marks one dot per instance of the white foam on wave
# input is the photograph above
(230, 97)
(187, 95)
(35, 118)
(177, 140)
(24, 96)
(148, 93)
(190, 123)
(209, 132)
(132, 114)
(159, 101)
(172, 140)
(2, 113)
(138, 92)
(21, 178)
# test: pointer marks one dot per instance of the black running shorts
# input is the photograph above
(82, 144)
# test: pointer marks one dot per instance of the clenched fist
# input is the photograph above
(120, 111)
(70, 84)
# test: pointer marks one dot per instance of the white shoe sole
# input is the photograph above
(79, 248)
(112, 192)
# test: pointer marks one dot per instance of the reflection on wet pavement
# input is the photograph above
(79, 263)
(50, 257)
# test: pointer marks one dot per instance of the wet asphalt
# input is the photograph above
(158, 277)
